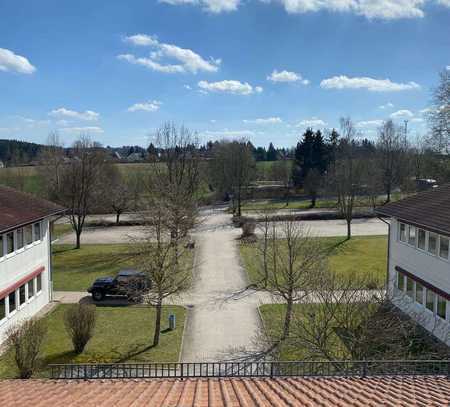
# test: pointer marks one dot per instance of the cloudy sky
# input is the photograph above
(260, 69)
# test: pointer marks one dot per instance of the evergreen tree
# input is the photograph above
(271, 153)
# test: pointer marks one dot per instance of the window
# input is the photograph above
(443, 247)
(10, 242)
(430, 300)
(419, 293)
(2, 308)
(37, 232)
(402, 232)
(22, 297)
(2, 251)
(410, 287)
(432, 243)
(19, 238)
(30, 289)
(400, 281)
(441, 306)
(28, 234)
(39, 283)
(12, 302)
(412, 235)
(421, 239)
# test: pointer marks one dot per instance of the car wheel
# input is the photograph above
(98, 295)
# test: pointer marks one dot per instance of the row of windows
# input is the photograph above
(422, 295)
(17, 299)
(17, 239)
(431, 242)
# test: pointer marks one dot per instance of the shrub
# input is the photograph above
(248, 229)
(25, 341)
(79, 320)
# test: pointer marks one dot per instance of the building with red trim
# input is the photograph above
(25, 255)
(419, 258)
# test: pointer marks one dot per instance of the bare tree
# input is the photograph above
(232, 169)
(293, 263)
(174, 177)
(25, 340)
(116, 191)
(391, 147)
(281, 171)
(80, 183)
(439, 116)
(51, 164)
(161, 259)
(346, 178)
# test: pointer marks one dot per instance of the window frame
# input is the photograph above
(5, 307)
(403, 226)
(425, 247)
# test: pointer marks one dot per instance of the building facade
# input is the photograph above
(25, 256)
(418, 258)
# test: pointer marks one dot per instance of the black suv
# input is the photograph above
(129, 283)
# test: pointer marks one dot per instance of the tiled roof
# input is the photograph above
(230, 392)
(18, 208)
(430, 209)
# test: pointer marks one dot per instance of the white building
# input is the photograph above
(25, 255)
(418, 258)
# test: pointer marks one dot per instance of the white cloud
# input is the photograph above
(82, 130)
(369, 124)
(9, 61)
(188, 87)
(447, 67)
(388, 105)
(212, 6)
(445, 3)
(371, 9)
(417, 120)
(229, 86)
(150, 106)
(286, 76)
(186, 59)
(402, 114)
(267, 120)
(313, 122)
(426, 111)
(62, 112)
(371, 84)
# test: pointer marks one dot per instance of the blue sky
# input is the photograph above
(264, 70)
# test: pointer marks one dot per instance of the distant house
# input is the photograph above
(418, 259)
(25, 266)
(135, 157)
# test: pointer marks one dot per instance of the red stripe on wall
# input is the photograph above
(22, 281)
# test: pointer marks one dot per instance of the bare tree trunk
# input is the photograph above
(349, 229)
(287, 318)
(117, 218)
(157, 323)
(78, 242)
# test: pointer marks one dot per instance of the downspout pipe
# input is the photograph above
(388, 251)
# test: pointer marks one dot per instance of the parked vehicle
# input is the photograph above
(129, 283)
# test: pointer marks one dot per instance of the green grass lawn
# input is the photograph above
(76, 269)
(122, 334)
(277, 204)
(365, 256)
(60, 229)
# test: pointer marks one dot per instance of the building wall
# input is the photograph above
(18, 266)
(427, 267)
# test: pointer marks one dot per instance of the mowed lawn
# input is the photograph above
(76, 269)
(363, 256)
(122, 334)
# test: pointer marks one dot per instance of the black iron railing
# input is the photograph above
(253, 369)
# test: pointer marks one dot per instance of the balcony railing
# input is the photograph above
(345, 368)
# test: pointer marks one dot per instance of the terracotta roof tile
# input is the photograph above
(229, 392)
(18, 208)
(429, 209)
